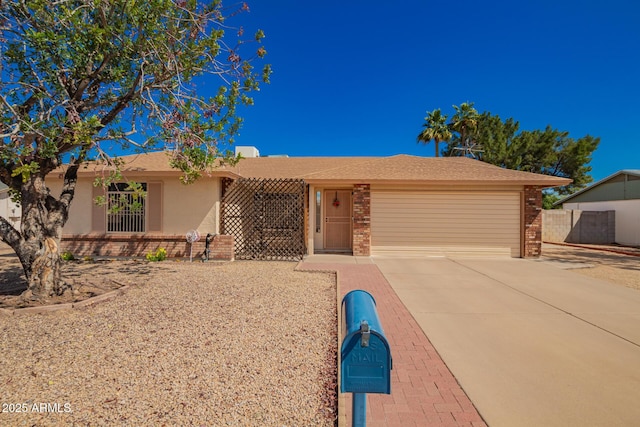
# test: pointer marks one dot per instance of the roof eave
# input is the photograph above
(544, 184)
(57, 174)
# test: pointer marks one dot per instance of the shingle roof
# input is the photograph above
(399, 168)
(394, 169)
(432, 169)
(291, 167)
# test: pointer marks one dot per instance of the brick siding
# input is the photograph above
(128, 245)
(361, 220)
(532, 221)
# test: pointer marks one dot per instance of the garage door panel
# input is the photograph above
(446, 208)
(465, 221)
(445, 240)
(402, 219)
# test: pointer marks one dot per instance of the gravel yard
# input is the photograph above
(613, 267)
(242, 343)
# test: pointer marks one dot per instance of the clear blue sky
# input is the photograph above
(357, 77)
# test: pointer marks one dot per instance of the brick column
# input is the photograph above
(532, 221)
(361, 220)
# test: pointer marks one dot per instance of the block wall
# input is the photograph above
(577, 226)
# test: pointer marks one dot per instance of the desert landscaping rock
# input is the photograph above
(42, 309)
(100, 298)
(243, 343)
(610, 263)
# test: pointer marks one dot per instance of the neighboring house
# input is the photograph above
(8, 209)
(619, 192)
(358, 205)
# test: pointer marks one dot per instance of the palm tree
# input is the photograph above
(465, 122)
(435, 128)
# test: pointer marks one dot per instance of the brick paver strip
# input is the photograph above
(423, 390)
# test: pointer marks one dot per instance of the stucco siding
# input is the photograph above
(9, 210)
(627, 217)
(182, 207)
(79, 221)
(193, 206)
(448, 221)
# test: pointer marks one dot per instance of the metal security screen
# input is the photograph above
(125, 210)
(266, 218)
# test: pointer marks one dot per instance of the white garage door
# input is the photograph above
(423, 222)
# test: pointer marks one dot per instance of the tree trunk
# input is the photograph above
(37, 244)
(46, 279)
(39, 248)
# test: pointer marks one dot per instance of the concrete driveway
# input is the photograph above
(531, 344)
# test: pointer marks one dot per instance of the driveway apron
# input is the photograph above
(531, 344)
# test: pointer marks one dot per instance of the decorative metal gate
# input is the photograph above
(266, 218)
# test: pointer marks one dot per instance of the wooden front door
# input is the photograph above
(337, 217)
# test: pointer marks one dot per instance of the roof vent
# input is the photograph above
(247, 151)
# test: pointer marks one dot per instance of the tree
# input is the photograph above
(435, 128)
(549, 151)
(502, 143)
(80, 75)
(465, 123)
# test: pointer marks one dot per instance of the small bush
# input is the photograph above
(67, 256)
(88, 259)
(159, 255)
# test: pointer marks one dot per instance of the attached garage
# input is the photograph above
(446, 222)
(402, 205)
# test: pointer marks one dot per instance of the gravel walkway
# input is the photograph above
(243, 343)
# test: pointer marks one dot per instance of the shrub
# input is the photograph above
(67, 256)
(159, 255)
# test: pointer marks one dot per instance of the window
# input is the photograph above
(126, 208)
(318, 211)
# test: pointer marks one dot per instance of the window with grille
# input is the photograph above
(125, 209)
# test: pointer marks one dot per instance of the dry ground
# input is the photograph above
(614, 267)
(88, 279)
(243, 343)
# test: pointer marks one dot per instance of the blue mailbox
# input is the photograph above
(366, 356)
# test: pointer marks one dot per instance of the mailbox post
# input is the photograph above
(365, 354)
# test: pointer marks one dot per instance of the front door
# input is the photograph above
(337, 217)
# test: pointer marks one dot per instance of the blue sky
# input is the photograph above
(357, 77)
